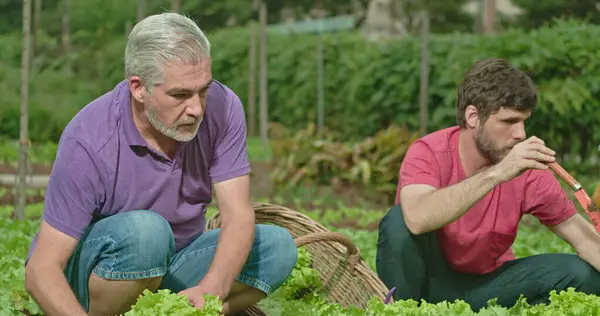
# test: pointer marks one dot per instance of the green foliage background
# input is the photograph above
(368, 85)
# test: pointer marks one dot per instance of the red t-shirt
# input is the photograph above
(480, 240)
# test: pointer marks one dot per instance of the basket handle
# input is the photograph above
(353, 252)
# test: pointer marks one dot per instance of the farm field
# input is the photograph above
(358, 221)
(341, 88)
(532, 239)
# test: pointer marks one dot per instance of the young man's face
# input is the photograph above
(176, 107)
(501, 132)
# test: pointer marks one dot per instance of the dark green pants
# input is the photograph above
(415, 266)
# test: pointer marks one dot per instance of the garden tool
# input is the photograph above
(582, 197)
(389, 296)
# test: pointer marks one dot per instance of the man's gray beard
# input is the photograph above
(171, 132)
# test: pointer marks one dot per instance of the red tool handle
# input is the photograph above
(563, 174)
(586, 202)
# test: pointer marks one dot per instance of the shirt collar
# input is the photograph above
(132, 134)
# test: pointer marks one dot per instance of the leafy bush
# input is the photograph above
(304, 279)
(367, 85)
(38, 153)
(370, 85)
(300, 294)
(310, 158)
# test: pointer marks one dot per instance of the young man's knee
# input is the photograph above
(581, 275)
(392, 226)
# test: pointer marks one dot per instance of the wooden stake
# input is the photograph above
(24, 142)
(252, 82)
(264, 117)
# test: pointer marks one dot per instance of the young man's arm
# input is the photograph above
(427, 208)
(547, 201)
(73, 193)
(582, 236)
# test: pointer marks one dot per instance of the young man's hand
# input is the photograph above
(529, 154)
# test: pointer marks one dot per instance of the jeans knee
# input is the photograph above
(278, 245)
(147, 231)
(140, 245)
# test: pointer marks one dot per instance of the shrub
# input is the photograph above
(367, 85)
(307, 157)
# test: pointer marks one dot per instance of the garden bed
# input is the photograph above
(41, 169)
(8, 195)
(262, 187)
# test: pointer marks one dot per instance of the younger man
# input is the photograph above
(461, 194)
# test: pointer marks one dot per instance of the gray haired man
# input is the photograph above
(135, 169)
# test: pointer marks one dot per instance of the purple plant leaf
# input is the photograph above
(388, 297)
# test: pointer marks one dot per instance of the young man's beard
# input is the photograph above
(488, 149)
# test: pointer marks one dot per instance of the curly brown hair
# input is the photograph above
(491, 84)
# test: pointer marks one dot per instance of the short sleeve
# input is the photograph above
(74, 190)
(230, 157)
(545, 198)
(419, 166)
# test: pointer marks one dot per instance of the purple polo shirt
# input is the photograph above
(103, 166)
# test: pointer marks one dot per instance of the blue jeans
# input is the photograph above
(140, 244)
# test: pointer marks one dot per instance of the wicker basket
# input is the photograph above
(346, 278)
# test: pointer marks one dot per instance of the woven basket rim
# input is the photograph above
(311, 232)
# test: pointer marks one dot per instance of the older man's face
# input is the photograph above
(176, 107)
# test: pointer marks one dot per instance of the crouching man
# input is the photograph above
(126, 201)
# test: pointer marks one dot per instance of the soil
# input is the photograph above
(261, 187)
(42, 169)
(353, 224)
(260, 184)
(8, 196)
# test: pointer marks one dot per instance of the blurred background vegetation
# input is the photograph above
(365, 87)
(334, 92)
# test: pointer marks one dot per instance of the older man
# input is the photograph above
(462, 193)
(125, 205)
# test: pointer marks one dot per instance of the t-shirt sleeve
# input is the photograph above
(419, 166)
(230, 157)
(74, 190)
(545, 198)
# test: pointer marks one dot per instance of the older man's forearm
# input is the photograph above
(235, 242)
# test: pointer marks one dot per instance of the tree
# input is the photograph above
(540, 13)
(66, 26)
(175, 5)
(24, 141)
(445, 16)
(264, 117)
(141, 7)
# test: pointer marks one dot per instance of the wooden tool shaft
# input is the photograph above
(563, 174)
